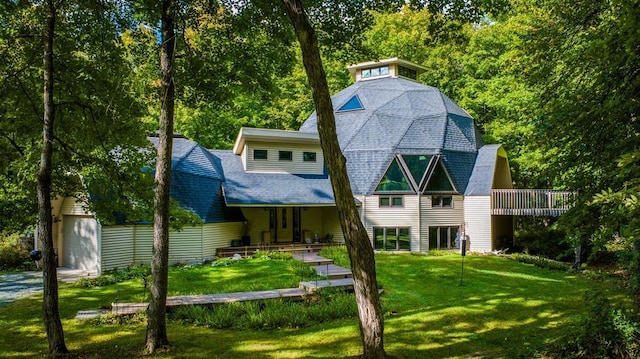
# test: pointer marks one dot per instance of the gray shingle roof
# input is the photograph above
(401, 117)
(271, 189)
(481, 180)
(196, 182)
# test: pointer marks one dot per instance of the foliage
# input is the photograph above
(338, 254)
(540, 261)
(116, 276)
(603, 332)
(272, 255)
(321, 307)
(13, 254)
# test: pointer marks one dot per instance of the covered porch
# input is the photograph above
(531, 202)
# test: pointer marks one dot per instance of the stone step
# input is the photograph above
(332, 271)
(312, 259)
(312, 286)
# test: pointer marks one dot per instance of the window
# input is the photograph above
(259, 154)
(392, 238)
(285, 156)
(439, 181)
(394, 180)
(442, 201)
(407, 72)
(390, 201)
(353, 104)
(417, 166)
(375, 72)
(443, 237)
(309, 156)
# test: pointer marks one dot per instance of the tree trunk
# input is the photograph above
(357, 241)
(157, 325)
(51, 316)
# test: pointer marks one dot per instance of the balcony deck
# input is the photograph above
(531, 202)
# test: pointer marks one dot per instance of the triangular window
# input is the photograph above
(439, 181)
(394, 180)
(417, 166)
(353, 104)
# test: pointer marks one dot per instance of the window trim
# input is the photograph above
(441, 202)
(305, 159)
(266, 154)
(289, 157)
(388, 230)
(390, 201)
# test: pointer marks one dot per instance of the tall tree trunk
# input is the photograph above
(157, 325)
(51, 316)
(357, 240)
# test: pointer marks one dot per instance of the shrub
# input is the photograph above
(276, 255)
(13, 255)
(603, 332)
(115, 276)
(540, 261)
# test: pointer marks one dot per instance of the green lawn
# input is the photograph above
(504, 309)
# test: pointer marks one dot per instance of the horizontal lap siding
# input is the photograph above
(185, 246)
(273, 164)
(477, 211)
(258, 221)
(143, 235)
(439, 217)
(117, 247)
(219, 235)
(331, 224)
(405, 216)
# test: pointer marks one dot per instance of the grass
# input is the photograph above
(504, 309)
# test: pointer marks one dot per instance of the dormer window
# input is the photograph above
(259, 154)
(407, 72)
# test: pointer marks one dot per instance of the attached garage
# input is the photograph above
(80, 247)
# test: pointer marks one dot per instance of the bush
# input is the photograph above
(603, 332)
(13, 255)
(117, 275)
(540, 261)
(322, 306)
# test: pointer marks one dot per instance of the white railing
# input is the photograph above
(531, 202)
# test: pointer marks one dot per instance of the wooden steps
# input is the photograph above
(332, 271)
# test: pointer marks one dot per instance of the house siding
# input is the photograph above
(273, 164)
(219, 235)
(477, 217)
(405, 216)
(438, 217)
(118, 247)
(331, 224)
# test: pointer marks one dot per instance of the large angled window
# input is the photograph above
(417, 166)
(353, 104)
(439, 181)
(394, 180)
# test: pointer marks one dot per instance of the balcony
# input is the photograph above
(531, 202)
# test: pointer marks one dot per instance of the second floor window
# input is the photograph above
(309, 156)
(259, 154)
(285, 156)
(442, 201)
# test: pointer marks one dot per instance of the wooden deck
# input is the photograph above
(531, 202)
(250, 250)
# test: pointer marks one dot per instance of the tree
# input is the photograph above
(51, 315)
(357, 240)
(156, 325)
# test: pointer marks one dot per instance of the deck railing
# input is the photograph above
(531, 202)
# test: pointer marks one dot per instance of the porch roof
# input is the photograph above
(241, 188)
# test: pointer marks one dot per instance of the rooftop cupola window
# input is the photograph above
(393, 67)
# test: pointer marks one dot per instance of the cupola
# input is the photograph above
(393, 67)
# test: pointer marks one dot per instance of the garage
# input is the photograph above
(80, 247)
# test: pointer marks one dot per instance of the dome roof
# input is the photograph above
(377, 119)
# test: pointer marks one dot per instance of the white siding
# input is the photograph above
(438, 217)
(80, 248)
(186, 246)
(477, 217)
(143, 240)
(273, 164)
(118, 247)
(218, 235)
(405, 216)
(71, 206)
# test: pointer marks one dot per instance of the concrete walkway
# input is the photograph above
(15, 286)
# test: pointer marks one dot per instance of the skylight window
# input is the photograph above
(353, 104)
